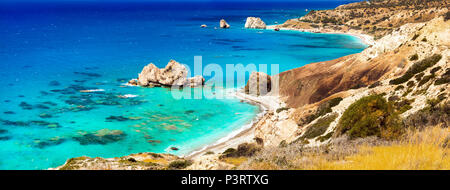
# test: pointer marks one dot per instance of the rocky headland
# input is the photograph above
(393, 96)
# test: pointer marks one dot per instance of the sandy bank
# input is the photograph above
(366, 39)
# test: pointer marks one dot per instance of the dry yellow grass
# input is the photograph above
(427, 149)
(424, 150)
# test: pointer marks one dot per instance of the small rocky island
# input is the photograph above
(174, 74)
(255, 23)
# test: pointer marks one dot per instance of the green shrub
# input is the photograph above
(370, 116)
(400, 87)
(417, 68)
(319, 127)
(410, 84)
(436, 69)
(415, 37)
(180, 164)
(375, 84)
(244, 149)
(444, 79)
(325, 137)
(324, 109)
(281, 109)
(431, 115)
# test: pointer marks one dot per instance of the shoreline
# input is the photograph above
(366, 39)
(244, 133)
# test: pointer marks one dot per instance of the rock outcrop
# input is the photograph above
(224, 24)
(174, 74)
(255, 22)
(258, 84)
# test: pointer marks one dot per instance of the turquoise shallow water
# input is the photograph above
(50, 52)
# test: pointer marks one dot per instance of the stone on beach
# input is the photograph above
(174, 74)
(255, 23)
(224, 24)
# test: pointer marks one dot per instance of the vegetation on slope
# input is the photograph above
(417, 68)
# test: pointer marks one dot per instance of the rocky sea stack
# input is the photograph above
(224, 24)
(174, 74)
(255, 23)
(259, 84)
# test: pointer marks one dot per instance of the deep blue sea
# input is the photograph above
(49, 53)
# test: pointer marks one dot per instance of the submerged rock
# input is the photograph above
(104, 136)
(5, 138)
(255, 22)
(116, 118)
(224, 24)
(174, 74)
(258, 84)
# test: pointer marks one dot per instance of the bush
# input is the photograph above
(281, 109)
(445, 78)
(370, 116)
(319, 127)
(180, 164)
(414, 57)
(431, 115)
(447, 16)
(417, 68)
(375, 84)
(410, 84)
(419, 76)
(400, 87)
(436, 69)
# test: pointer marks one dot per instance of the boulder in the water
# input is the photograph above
(255, 23)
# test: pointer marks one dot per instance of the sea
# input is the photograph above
(63, 66)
